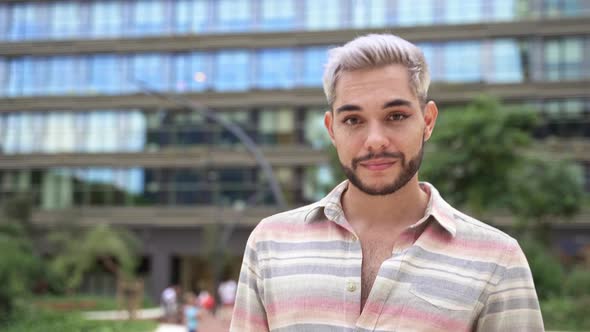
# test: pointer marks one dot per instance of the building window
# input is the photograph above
(369, 13)
(276, 127)
(460, 11)
(462, 62)
(314, 129)
(278, 15)
(149, 17)
(314, 59)
(323, 14)
(152, 70)
(557, 8)
(191, 16)
(106, 74)
(56, 189)
(27, 75)
(234, 15)
(28, 21)
(106, 18)
(232, 71)
(564, 59)
(64, 75)
(410, 12)
(192, 72)
(4, 21)
(224, 137)
(275, 69)
(508, 66)
(65, 19)
(3, 76)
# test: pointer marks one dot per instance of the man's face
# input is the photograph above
(378, 128)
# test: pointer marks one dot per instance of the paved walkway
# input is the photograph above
(152, 313)
(208, 323)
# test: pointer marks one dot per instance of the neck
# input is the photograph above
(394, 211)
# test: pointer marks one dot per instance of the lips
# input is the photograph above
(378, 165)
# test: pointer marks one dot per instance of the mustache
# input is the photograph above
(371, 155)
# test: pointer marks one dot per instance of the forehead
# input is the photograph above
(373, 85)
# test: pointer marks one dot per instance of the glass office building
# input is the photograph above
(78, 132)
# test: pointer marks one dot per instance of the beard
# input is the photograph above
(408, 170)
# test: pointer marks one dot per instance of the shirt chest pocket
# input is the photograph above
(438, 308)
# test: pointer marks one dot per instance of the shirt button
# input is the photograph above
(354, 239)
(351, 286)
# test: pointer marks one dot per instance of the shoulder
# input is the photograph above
(284, 223)
(472, 230)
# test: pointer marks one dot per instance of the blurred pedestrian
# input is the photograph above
(169, 303)
(227, 294)
(191, 312)
(206, 300)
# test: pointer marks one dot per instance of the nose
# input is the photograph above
(377, 139)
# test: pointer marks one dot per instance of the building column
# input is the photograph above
(160, 273)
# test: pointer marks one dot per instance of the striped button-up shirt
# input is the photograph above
(448, 272)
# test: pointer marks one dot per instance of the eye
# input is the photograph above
(397, 117)
(351, 121)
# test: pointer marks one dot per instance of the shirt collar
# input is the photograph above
(330, 208)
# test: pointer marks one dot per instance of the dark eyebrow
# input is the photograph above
(396, 103)
(391, 103)
(348, 108)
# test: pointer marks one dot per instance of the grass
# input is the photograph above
(82, 302)
(42, 320)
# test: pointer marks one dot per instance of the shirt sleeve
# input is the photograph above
(249, 312)
(512, 303)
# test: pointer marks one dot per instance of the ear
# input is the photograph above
(329, 123)
(430, 115)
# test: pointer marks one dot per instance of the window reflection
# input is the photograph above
(322, 14)
(65, 21)
(234, 15)
(106, 18)
(26, 21)
(314, 59)
(232, 71)
(462, 62)
(369, 13)
(278, 15)
(62, 188)
(411, 12)
(276, 126)
(498, 60)
(563, 59)
(149, 17)
(275, 69)
(191, 16)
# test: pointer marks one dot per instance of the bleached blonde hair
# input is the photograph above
(373, 51)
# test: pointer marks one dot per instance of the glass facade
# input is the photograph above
(129, 131)
(59, 188)
(492, 61)
(29, 20)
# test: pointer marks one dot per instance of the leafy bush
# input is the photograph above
(577, 283)
(19, 267)
(566, 313)
(547, 271)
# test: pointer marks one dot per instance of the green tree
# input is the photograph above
(480, 160)
(77, 249)
(20, 265)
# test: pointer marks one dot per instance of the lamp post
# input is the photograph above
(227, 229)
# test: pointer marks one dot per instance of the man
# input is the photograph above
(169, 303)
(382, 251)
